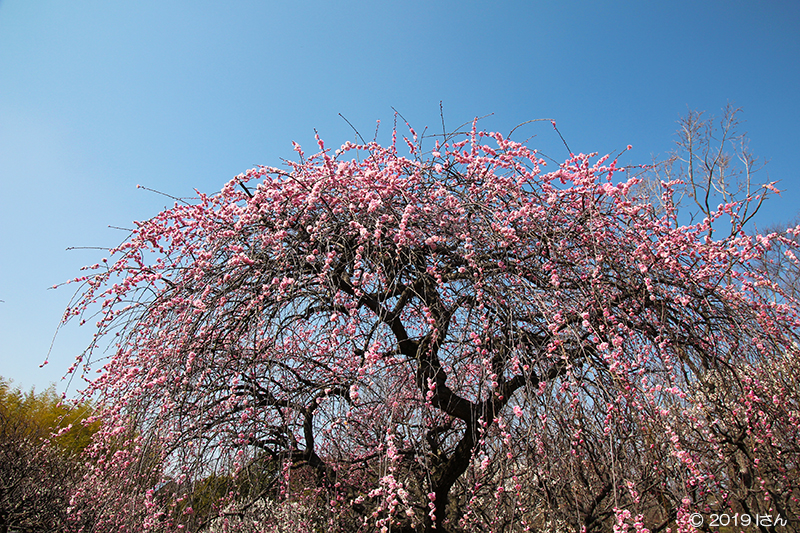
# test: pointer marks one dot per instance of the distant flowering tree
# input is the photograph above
(780, 261)
(452, 340)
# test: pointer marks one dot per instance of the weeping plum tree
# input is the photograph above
(450, 340)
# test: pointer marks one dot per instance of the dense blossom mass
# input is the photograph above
(448, 340)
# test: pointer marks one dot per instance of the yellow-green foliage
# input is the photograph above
(44, 413)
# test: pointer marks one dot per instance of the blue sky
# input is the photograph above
(99, 96)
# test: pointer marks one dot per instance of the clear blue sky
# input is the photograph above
(99, 96)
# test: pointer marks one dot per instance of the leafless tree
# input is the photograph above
(710, 166)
